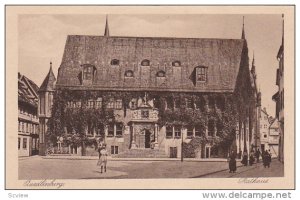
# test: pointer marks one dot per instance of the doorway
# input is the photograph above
(147, 139)
(173, 152)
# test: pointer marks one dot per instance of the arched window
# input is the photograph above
(145, 62)
(114, 62)
(161, 73)
(128, 73)
(176, 63)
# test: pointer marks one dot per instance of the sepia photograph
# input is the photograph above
(190, 95)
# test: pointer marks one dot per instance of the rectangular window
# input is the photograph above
(190, 132)
(24, 143)
(99, 103)
(87, 73)
(189, 103)
(90, 104)
(114, 150)
(23, 130)
(199, 131)
(19, 126)
(100, 130)
(211, 128)
(110, 130)
(219, 128)
(201, 74)
(169, 132)
(177, 132)
(169, 103)
(19, 143)
(176, 103)
(111, 104)
(118, 104)
(42, 105)
(26, 127)
(119, 129)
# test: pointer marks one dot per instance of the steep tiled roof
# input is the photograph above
(222, 57)
(27, 91)
(49, 82)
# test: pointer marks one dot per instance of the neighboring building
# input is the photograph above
(46, 101)
(278, 97)
(144, 79)
(28, 121)
(269, 133)
(264, 130)
(274, 137)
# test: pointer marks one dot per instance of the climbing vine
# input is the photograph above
(70, 122)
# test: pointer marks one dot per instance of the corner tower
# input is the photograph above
(46, 92)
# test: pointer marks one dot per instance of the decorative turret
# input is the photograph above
(106, 31)
(46, 92)
(243, 31)
(253, 67)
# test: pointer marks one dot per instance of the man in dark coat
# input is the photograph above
(245, 158)
(232, 162)
(257, 155)
(266, 159)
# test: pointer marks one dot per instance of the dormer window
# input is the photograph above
(145, 62)
(129, 73)
(201, 74)
(176, 63)
(114, 62)
(88, 72)
(161, 73)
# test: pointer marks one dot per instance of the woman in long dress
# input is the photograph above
(102, 158)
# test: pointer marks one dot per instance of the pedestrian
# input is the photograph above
(232, 162)
(266, 159)
(245, 158)
(257, 155)
(102, 158)
(251, 159)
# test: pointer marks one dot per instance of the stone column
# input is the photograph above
(133, 145)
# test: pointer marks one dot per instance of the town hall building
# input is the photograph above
(150, 96)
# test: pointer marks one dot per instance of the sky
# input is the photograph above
(41, 38)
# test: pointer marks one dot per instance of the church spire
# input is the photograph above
(106, 31)
(253, 65)
(282, 42)
(243, 31)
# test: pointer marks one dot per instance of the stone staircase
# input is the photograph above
(141, 153)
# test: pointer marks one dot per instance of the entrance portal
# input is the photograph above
(147, 139)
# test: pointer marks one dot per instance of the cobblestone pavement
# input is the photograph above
(39, 168)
